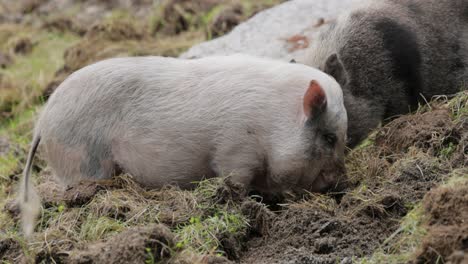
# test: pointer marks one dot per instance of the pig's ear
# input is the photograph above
(335, 68)
(315, 101)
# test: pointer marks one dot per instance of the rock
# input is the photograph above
(282, 32)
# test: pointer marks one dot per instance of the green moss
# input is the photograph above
(95, 228)
(203, 235)
(447, 151)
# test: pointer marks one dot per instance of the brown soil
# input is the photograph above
(400, 171)
(10, 250)
(427, 131)
(447, 226)
(356, 227)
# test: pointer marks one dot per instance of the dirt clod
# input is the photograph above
(134, 245)
(229, 191)
(10, 250)
(259, 217)
(447, 237)
(23, 45)
(425, 131)
(84, 192)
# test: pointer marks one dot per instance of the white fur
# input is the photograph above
(184, 115)
(168, 120)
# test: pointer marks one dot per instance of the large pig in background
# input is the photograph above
(273, 126)
(391, 55)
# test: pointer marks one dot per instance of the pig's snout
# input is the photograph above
(331, 179)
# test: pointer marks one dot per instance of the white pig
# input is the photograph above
(272, 126)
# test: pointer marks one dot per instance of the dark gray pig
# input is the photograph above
(392, 55)
(272, 126)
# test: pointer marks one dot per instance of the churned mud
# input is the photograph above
(400, 169)
(402, 166)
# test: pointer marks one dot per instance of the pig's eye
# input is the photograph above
(330, 139)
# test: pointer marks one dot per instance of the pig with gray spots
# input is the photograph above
(392, 55)
(272, 126)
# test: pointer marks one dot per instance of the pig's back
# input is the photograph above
(187, 96)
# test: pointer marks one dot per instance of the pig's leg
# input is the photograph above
(239, 161)
(72, 164)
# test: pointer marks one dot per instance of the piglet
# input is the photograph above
(272, 126)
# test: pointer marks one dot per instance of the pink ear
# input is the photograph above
(315, 100)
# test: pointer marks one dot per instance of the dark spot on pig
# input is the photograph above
(405, 54)
(94, 165)
(292, 61)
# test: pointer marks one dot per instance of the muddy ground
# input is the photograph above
(407, 190)
(387, 180)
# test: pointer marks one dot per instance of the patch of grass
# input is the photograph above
(459, 105)
(447, 151)
(316, 200)
(17, 132)
(95, 228)
(203, 235)
(8, 165)
(28, 76)
(457, 178)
